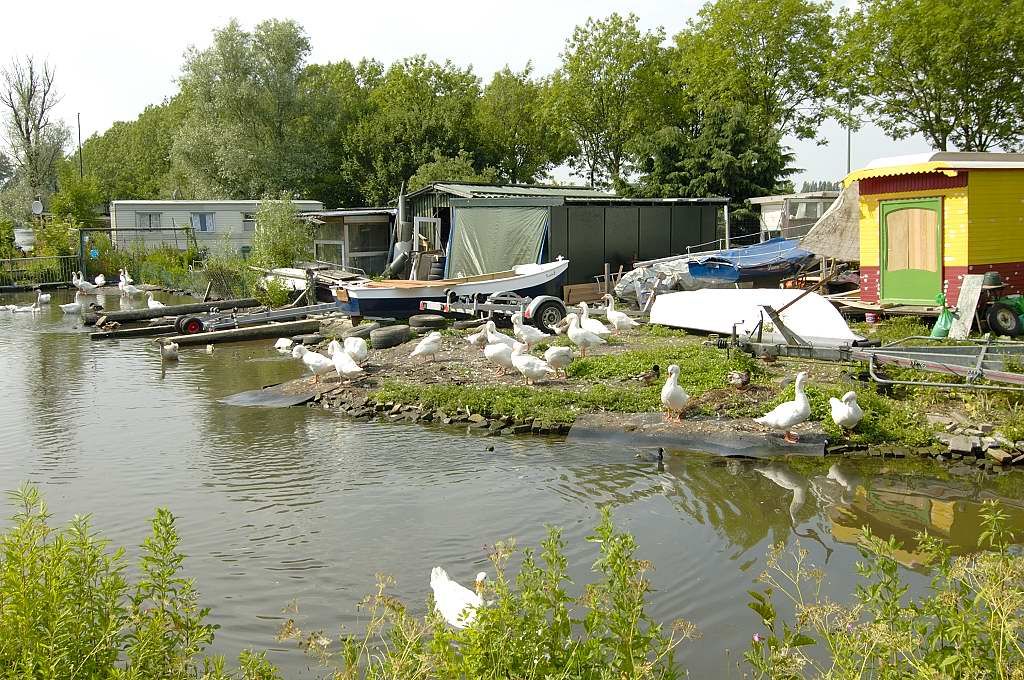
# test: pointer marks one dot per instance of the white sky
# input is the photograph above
(114, 58)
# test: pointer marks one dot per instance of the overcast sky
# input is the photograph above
(114, 58)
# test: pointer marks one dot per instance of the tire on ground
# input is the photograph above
(308, 338)
(391, 336)
(363, 330)
(427, 321)
(462, 324)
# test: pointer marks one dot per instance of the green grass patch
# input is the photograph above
(700, 368)
(653, 330)
(893, 328)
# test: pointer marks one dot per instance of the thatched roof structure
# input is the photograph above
(836, 234)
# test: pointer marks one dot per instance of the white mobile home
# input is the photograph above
(214, 223)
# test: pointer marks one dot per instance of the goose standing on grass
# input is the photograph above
(531, 367)
(429, 346)
(357, 349)
(456, 603)
(345, 365)
(501, 354)
(592, 325)
(478, 339)
(42, 298)
(73, 307)
(846, 412)
(153, 304)
(620, 320)
(315, 362)
(559, 359)
(581, 337)
(788, 414)
(527, 334)
(493, 336)
(168, 350)
(283, 345)
(673, 397)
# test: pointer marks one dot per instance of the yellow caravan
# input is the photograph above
(926, 220)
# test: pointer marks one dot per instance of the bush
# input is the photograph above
(56, 237)
(281, 239)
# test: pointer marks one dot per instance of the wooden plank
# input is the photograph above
(172, 310)
(273, 330)
(145, 331)
(580, 292)
(966, 306)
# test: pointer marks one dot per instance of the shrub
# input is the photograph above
(56, 237)
(281, 239)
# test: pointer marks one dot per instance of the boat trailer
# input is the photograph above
(544, 311)
(191, 324)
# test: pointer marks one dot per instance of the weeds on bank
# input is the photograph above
(531, 626)
(700, 368)
(892, 328)
(966, 626)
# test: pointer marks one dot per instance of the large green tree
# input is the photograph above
(952, 72)
(457, 169)
(773, 56)
(605, 95)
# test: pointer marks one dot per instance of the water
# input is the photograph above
(300, 504)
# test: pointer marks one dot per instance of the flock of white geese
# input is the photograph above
(84, 288)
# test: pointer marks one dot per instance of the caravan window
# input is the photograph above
(147, 220)
(202, 221)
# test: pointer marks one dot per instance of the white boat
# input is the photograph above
(400, 299)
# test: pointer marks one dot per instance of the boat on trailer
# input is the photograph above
(401, 299)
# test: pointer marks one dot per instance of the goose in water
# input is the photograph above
(128, 290)
(315, 362)
(345, 365)
(673, 397)
(494, 336)
(73, 307)
(559, 359)
(429, 346)
(790, 413)
(478, 339)
(620, 320)
(153, 304)
(456, 603)
(84, 285)
(283, 345)
(846, 412)
(125, 276)
(592, 325)
(527, 334)
(26, 309)
(581, 337)
(531, 368)
(100, 280)
(501, 354)
(42, 298)
(168, 350)
(357, 349)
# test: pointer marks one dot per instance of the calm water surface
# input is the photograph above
(300, 504)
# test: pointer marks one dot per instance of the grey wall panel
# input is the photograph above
(586, 243)
(655, 232)
(708, 223)
(559, 244)
(685, 227)
(621, 236)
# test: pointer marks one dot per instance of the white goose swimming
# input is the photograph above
(592, 325)
(100, 280)
(83, 285)
(501, 354)
(846, 412)
(345, 365)
(558, 358)
(283, 345)
(620, 320)
(128, 290)
(42, 298)
(429, 346)
(73, 307)
(168, 350)
(527, 334)
(673, 397)
(26, 309)
(314, 361)
(153, 304)
(357, 349)
(531, 367)
(790, 413)
(581, 337)
(456, 603)
(494, 336)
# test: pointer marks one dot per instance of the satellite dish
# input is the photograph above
(37, 207)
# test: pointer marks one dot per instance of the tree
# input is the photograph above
(457, 169)
(36, 140)
(952, 72)
(604, 95)
(78, 198)
(771, 55)
(514, 135)
(281, 238)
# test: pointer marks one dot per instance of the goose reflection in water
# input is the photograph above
(795, 483)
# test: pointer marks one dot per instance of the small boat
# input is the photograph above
(400, 299)
(775, 258)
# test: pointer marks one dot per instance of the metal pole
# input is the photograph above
(726, 225)
(849, 137)
(81, 162)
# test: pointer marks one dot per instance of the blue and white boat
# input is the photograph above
(774, 259)
(401, 299)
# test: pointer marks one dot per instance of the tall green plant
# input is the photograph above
(281, 239)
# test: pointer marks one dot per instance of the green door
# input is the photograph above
(911, 250)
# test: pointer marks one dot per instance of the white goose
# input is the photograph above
(581, 337)
(357, 349)
(592, 325)
(456, 603)
(620, 320)
(558, 358)
(673, 397)
(478, 339)
(128, 290)
(168, 350)
(283, 345)
(26, 309)
(846, 412)
(42, 298)
(73, 307)
(333, 347)
(100, 280)
(501, 354)
(126, 277)
(83, 285)
(531, 367)
(429, 346)
(527, 334)
(345, 365)
(493, 336)
(314, 361)
(153, 304)
(790, 413)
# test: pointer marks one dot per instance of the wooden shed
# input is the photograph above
(926, 220)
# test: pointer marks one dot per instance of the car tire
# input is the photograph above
(427, 321)
(363, 330)
(1004, 320)
(189, 325)
(463, 324)
(548, 314)
(391, 336)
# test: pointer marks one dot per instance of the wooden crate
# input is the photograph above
(589, 292)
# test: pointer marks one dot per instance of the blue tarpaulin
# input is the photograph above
(775, 257)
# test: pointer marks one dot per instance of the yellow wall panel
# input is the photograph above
(997, 216)
(954, 224)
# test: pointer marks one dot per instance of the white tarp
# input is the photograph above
(494, 239)
(813, 317)
(665, 277)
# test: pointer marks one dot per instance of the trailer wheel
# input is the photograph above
(1003, 319)
(190, 325)
(548, 315)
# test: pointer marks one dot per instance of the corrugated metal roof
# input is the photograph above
(947, 162)
(469, 190)
(352, 212)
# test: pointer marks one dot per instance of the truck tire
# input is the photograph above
(392, 336)
(363, 330)
(189, 325)
(1003, 319)
(427, 321)
(548, 315)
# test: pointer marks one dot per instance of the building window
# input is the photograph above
(202, 221)
(249, 222)
(147, 220)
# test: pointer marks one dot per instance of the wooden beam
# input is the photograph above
(171, 310)
(145, 331)
(272, 330)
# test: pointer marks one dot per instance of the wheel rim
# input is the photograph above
(550, 316)
(1005, 318)
(192, 327)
